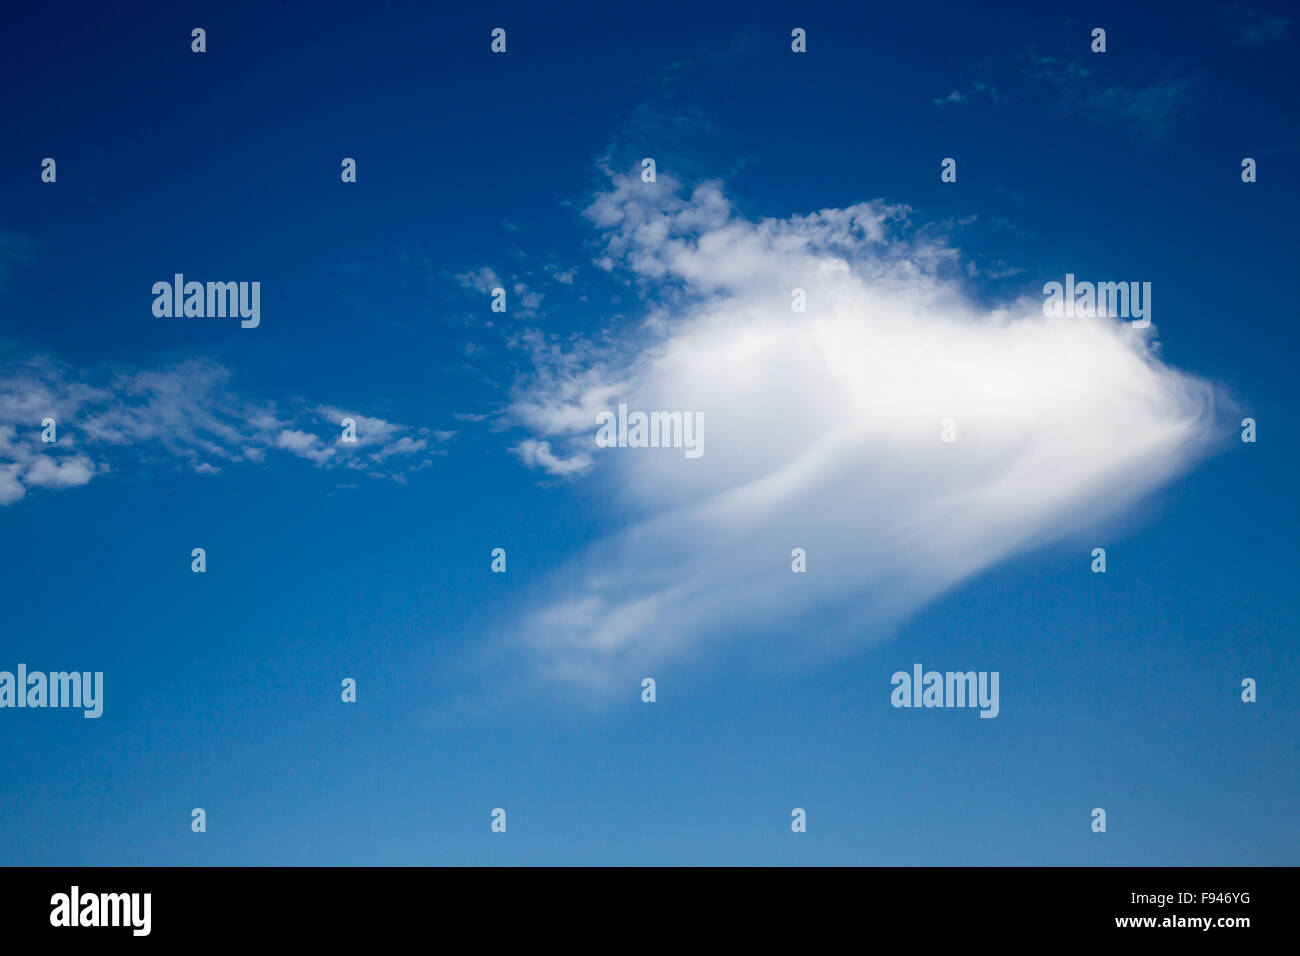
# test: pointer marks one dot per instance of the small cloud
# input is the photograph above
(11, 489)
(45, 472)
(305, 445)
(998, 270)
(564, 277)
(977, 91)
(403, 446)
(538, 454)
(483, 279)
(1254, 26)
(189, 410)
(369, 430)
(1054, 69)
(1149, 109)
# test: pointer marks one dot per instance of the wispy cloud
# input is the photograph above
(1151, 111)
(974, 92)
(1256, 26)
(523, 301)
(1150, 108)
(538, 454)
(1149, 105)
(483, 279)
(824, 430)
(562, 276)
(185, 414)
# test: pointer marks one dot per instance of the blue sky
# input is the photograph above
(522, 690)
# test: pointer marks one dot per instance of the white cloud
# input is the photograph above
(523, 303)
(11, 488)
(45, 472)
(189, 411)
(304, 444)
(403, 446)
(824, 431)
(538, 454)
(958, 98)
(482, 279)
(369, 430)
(562, 276)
